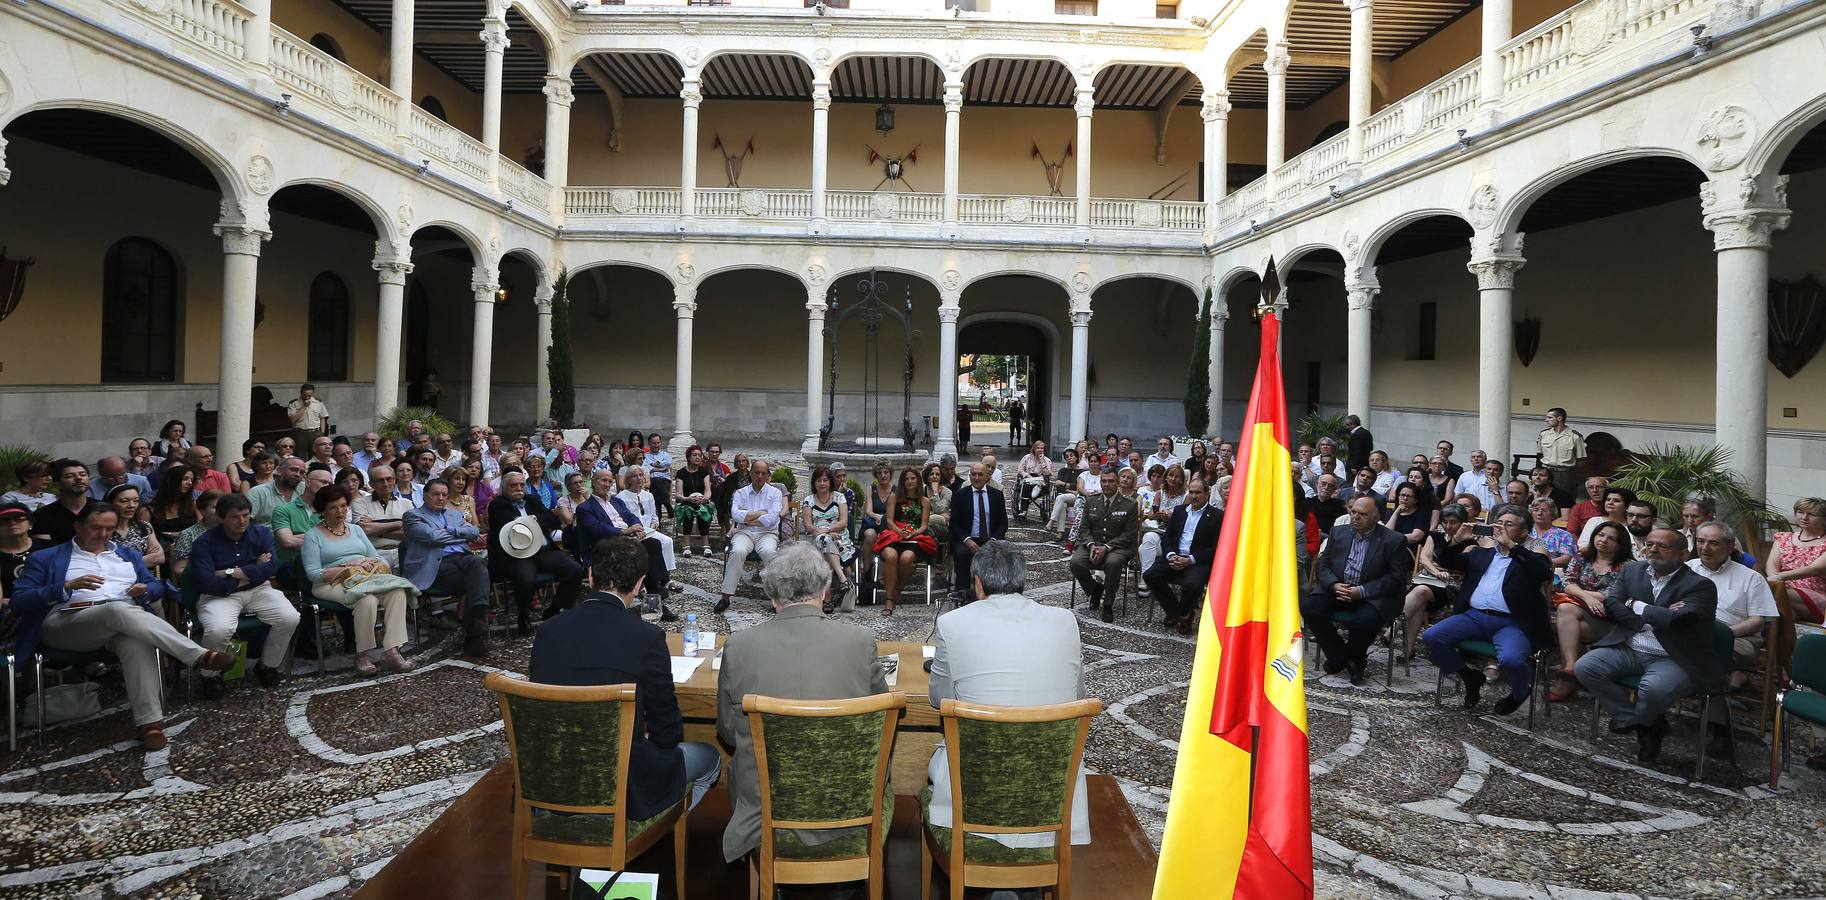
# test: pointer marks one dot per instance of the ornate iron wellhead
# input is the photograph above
(870, 306)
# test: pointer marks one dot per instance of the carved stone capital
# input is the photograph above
(1216, 107)
(948, 311)
(484, 291)
(542, 306)
(6, 174)
(1362, 295)
(954, 98)
(692, 93)
(494, 35)
(1279, 58)
(1748, 227)
(821, 97)
(241, 238)
(684, 301)
(1220, 313)
(558, 91)
(392, 269)
(815, 307)
(1081, 318)
(1086, 103)
(1496, 272)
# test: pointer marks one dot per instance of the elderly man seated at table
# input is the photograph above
(603, 640)
(799, 654)
(754, 513)
(91, 593)
(1005, 650)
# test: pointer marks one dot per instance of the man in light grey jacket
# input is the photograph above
(1005, 650)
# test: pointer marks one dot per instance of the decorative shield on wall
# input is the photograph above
(1527, 338)
(1797, 323)
(12, 281)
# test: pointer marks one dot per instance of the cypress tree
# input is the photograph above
(558, 361)
(1198, 379)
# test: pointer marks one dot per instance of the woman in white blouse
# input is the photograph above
(639, 501)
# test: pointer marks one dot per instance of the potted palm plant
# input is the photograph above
(1669, 476)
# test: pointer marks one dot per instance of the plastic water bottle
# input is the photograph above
(691, 634)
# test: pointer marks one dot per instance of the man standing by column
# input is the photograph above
(310, 417)
(1560, 449)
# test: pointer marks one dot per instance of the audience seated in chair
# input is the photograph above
(1177, 580)
(1363, 571)
(603, 640)
(1109, 533)
(343, 568)
(435, 557)
(522, 571)
(1035, 472)
(1500, 602)
(90, 594)
(1663, 612)
(979, 514)
(1745, 602)
(797, 655)
(755, 511)
(233, 566)
(1004, 650)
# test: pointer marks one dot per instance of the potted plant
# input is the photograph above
(1314, 426)
(1669, 476)
(393, 426)
(12, 456)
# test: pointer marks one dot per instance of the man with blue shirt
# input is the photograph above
(232, 566)
(435, 557)
(1500, 602)
(110, 473)
(659, 473)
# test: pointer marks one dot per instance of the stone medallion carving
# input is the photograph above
(621, 200)
(954, 62)
(404, 215)
(815, 275)
(494, 246)
(260, 174)
(951, 280)
(821, 57)
(1081, 282)
(884, 206)
(754, 202)
(1481, 211)
(1594, 25)
(1353, 244)
(1147, 215)
(686, 271)
(342, 88)
(1725, 137)
(1017, 209)
(153, 6)
(693, 54)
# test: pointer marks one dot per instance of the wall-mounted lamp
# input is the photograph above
(1252, 227)
(1701, 43)
(284, 103)
(501, 295)
(12, 282)
(1332, 189)
(1464, 140)
(424, 165)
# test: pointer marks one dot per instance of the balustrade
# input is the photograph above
(314, 73)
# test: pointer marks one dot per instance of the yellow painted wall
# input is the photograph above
(66, 210)
(369, 53)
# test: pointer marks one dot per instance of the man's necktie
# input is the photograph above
(982, 513)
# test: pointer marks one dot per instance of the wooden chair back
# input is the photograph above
(977, 736)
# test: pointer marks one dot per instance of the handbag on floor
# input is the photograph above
(64, 703)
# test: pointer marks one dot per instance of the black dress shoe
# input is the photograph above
(1108, 614)
(666, 614)
(267, 675)
(1333, 666)
(1474, 685)
(1510, 704)
(1357, 672)
(1721, 743)
(722, 605)
(475, 646)
(1648, 740)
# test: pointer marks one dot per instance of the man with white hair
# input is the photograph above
(754, 513)
(799, 654)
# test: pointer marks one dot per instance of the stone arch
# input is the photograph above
(1379, 237)
(473, 244)
(628, 263)
(578, 57)
(228, 181)
(1197, 290)
(1231, 278)
(867, 53)
(528, 257)
(843, 275)
(740, 266)
(1044, 276)
(1289, 259)
(1767, 157)
(542, 24)
(1058, 394)
(1509, 217)
(383, 223)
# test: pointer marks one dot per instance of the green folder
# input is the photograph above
(601, 884)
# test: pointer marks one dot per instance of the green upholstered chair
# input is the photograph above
(1722, 641)
(1804, 697)
(822, 765)
(1537, 660)
(1013, 771)
(570, 752)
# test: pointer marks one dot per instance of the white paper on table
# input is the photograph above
(706, 640)
(683, 667)
(928, 651)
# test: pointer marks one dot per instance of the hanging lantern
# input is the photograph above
(12, 282)
(884, 118)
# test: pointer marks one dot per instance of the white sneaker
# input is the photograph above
(1098, 576)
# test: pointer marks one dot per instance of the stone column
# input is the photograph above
(1362, 297)
(1216, 114)
(1360, 35)
(1276, 65)
(558, 99)
(684, 302)
(821, 131)
(1214, 406)
(257, 43)
(494, 47)
(948, 310)
(1741, 237)
(542, 352)
(399, 67)
(388, 327)
(1498, 29)
(1081, 350)
(687, 176)
(1495, 345)
(1085, 105)
(235, 377)
(482, 346)
(954, 114)
(815, 306)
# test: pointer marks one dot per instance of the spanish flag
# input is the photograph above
(1239, 823)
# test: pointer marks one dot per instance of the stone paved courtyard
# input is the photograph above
(309, 790)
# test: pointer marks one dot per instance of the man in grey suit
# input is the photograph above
(1663, 634)
(1005, 650)
(798, 655)
(435, 556)
(1363, 571)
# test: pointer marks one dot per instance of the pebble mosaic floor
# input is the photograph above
(308, 790)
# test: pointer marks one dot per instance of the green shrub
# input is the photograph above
(12, 456)
(394, 425)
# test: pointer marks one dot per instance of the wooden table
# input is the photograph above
(465, 852)
(914, 740)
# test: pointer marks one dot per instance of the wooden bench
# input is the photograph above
(464, 853)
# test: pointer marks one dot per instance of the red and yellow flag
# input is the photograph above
(1239, 823)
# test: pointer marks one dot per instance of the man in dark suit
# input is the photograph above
(1500, 602)
(1327, 504)
(1663, 613)
(979, 515)
(1190, 544)
(603, 640)
(512, 503)
(1363, 571)
(1358, 444)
